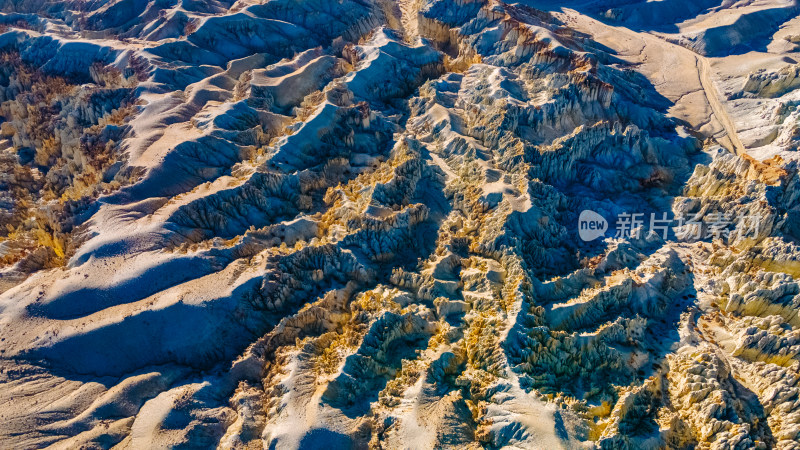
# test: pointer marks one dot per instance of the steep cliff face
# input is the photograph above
(356, 224)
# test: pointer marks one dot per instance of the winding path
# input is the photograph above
(720, 112)
(595, 28)
(710, 91)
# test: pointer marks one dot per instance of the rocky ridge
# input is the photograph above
(354, 224)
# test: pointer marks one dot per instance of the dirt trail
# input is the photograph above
(703, 71)
(710, 91)
(653, 48)
(720, 112)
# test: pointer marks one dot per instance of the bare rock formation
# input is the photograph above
(354, 224)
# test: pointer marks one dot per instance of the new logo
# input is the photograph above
(591, 225)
